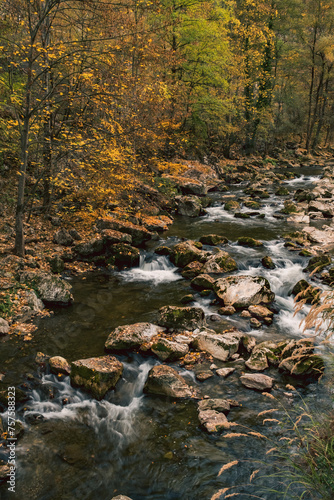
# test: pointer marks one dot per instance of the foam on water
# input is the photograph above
(157, 269)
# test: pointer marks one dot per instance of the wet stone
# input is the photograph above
(225, 372)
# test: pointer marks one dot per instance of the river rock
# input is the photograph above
(232, 206)
(94, 246)
(257, 381)
(299, 219)
(167, 350)
(191, 270)
(221, 262)
(244, 291)
(221, 405)
(121, 497)
(181, 318)
(96, 375)
(225, 372)
(158, 224)
(220, 346)
(203, 375)
(4, 472)
(325, 237)
(63, 237)
(131, 336)
(165, 381)
(213, 240)
(261, 313)
(188, 185)
(189, 206)
(138, 233)
(4, 326)
(203, 282)
(227, 311)
(310, 365)
(54, 290)
(213, 421)
(125, 255)
(325, 209)
(184, 253)
(246, 241)
(268, 263)
(258, 360)
(303, 195)
(318, 263)
(59, 365)
(306, 292)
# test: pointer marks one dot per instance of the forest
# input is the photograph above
(95, 94)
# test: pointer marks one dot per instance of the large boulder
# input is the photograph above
(94, 246)
(168, 350)
(165, 381)
(124, 255)
(220, 346)
(189, 206)
(131, 336)
(63, 237)
(191, 270)
(249, 242)
(324, 208)
(298, 359)
(221, 262)
(188, 185)
(53, 290)
(181, 318)
(184, 253)
(139, 233)
(96, 375)
(257, 381)
(110, 237)
(244, 291)
(318, 263)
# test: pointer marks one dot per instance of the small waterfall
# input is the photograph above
(154, 268)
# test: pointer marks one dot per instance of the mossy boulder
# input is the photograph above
(190, 206)
(96, 375)
(282, 191)
(213, 239)
(267, 262)
(180, 318)
(246, 241)
(318, 263)
(168, 350)
(220, 262)
(289, 208)
(191, 270)
(306, 292)
(124, 255)
(242, 215)
(232, 206)
(252, 204)
(184, 253)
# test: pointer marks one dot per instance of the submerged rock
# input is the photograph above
(213, 421)
(221, 405)
(96, 375)
(244, 291)
(249, 242)
(257, 381)
(131, 336)
(213, 239)
(165, 381)
(188, 318)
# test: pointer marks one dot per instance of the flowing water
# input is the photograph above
(75, 447)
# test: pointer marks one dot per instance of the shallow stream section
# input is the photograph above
(75, 447)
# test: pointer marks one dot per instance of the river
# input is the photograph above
(148, 447)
